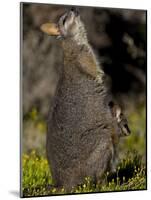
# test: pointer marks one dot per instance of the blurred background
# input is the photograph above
(118, 37)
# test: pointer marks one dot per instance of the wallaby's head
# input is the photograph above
(68, 26)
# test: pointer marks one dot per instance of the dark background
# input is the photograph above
(118, 37)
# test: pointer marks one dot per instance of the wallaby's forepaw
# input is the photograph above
(98, 89)
(99, 82)
(99, 79)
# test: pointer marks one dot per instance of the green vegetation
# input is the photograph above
(130, 173)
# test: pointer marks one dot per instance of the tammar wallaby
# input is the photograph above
(83, 129)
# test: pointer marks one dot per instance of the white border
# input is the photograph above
(9, 98)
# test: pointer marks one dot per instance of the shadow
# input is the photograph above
(15, 193)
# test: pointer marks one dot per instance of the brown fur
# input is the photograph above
(82, 133)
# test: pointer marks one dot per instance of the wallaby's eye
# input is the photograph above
(125, 125)
(121, 115)
(111, 104)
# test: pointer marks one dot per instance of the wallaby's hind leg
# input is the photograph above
(105, 167)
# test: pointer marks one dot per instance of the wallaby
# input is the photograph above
(82, 128)
(121, 119)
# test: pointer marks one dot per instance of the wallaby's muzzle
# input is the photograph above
(75, 10)
(67, 22)
(65, 26)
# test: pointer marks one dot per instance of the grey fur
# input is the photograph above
(82, 133)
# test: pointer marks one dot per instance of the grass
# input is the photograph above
(130, 173)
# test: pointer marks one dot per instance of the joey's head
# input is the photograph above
(69, 26)
(120, 118)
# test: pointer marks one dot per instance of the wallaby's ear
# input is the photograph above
(118, 113)
(115, 110)
(50, 29)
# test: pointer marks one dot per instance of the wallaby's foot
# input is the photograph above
(54, 188)
(113, 168)
(100, 182)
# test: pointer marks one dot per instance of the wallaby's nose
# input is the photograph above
(75, 11)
